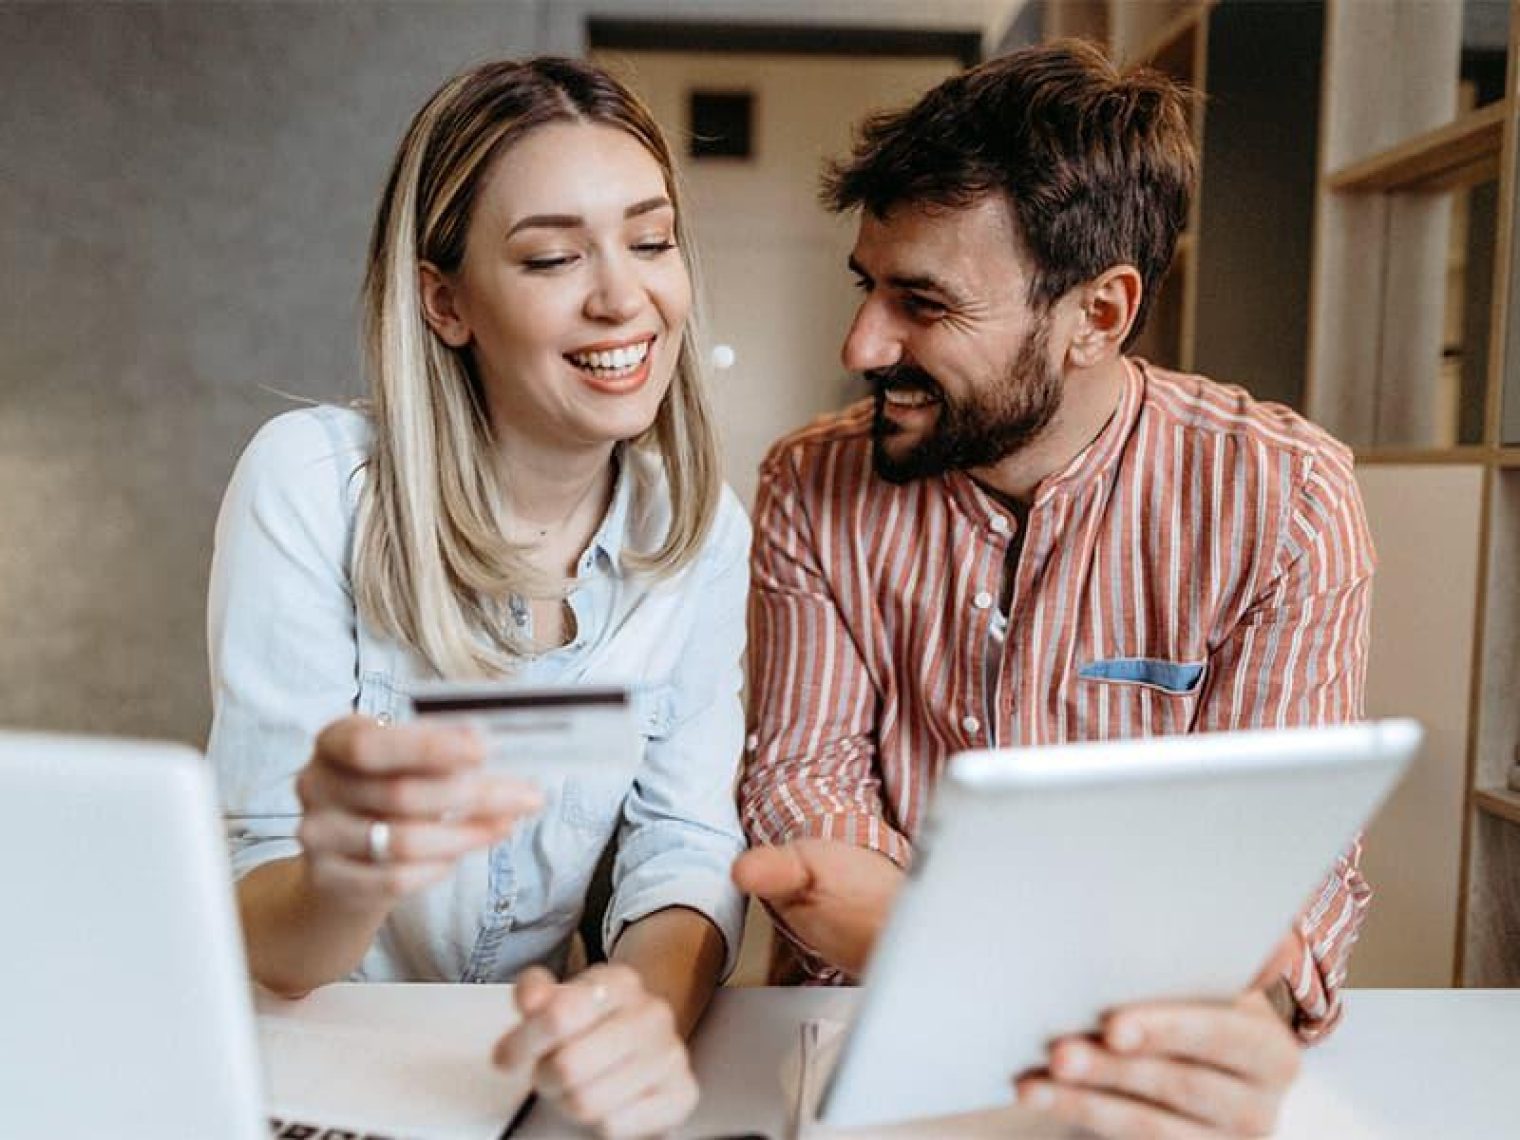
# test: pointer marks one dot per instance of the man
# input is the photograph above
(1027, 537)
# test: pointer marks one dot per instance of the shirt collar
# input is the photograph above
(1087, 464)
(613, 533)
(1106, 446)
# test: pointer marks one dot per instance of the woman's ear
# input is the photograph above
(1110, 303)
(440, 306)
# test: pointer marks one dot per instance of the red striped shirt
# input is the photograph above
(1200, 528)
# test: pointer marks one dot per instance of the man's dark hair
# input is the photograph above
(1098, 166)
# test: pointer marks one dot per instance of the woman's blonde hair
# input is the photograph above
(432, 566)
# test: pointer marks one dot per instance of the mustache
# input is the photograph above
(902, 376)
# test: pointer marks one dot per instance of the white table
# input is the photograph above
(1405, 1064)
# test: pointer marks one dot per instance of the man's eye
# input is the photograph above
(920, 306)
(861, 285)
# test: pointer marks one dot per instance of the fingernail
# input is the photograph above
(1125, 1035)
(1037, 1096)
(1072, 1062)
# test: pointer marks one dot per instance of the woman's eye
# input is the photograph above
(548, 262)
(654, 246)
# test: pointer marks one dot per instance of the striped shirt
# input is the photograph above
(1203, 564)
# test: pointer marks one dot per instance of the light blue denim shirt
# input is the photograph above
(290, 654)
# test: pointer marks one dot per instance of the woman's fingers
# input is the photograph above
(362, 744)
(360, 882)
(387, 811)
(604, 1049)
(416, 841)
(565, 1013)
(483, 796)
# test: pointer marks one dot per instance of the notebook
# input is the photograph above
(1052, 884)
(127, 1007)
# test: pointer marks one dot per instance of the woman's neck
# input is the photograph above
(554, 501)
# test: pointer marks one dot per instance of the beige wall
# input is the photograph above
(1423, 610)
(772, 259)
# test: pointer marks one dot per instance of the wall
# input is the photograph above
(1424, 601)
(186, 192)
(772, 260)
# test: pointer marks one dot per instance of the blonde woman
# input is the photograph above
(531, 493)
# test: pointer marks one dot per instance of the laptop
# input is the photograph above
(125, 1004)
(1052, 884)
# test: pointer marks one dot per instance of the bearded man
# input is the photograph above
(1027, 537)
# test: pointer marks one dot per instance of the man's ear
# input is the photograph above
(1110, 303)
(440, 306)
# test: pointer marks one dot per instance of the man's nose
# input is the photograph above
(872, 342)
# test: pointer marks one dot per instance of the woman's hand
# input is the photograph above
(604, 1049)
(388, 810)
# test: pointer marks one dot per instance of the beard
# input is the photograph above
(978, 429)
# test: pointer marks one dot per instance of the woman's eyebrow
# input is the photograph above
(575, 221)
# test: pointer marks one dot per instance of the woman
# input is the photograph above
(532, 494)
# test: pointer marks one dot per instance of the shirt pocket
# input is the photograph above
(1175, 678)
(593, 800)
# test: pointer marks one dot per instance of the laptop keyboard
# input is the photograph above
(301, 1130)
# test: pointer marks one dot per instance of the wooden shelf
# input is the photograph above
(1170, 35)
(1403, 456)
(1462, 153)
(1508, 456)
(1499, 802)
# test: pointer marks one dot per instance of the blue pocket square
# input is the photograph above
(1170, 676)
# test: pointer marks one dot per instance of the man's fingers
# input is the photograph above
(1247, 1040)
(779, 875)
(1109, 1115)
(1280, 964)
(1197, 1091)
(361, 744)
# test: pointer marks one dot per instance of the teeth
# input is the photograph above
(621, 359)
(907, 397)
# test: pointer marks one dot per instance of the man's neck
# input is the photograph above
(1089, 400)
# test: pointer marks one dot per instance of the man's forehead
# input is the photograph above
(914, 239)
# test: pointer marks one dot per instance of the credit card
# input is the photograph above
(539, 730)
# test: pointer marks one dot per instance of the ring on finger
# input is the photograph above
(378, 841)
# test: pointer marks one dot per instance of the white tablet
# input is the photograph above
(1052, 884)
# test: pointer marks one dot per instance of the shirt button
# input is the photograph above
(383, 719)
(982, 601)
(971, 725)
(1000, 524)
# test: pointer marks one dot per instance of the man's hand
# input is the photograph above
(833, 896)
(1172, 1071)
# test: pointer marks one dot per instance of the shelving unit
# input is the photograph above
(1350, 254)
(1234, 302)
(1414, 361)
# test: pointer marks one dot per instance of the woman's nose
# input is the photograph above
(617, 293)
